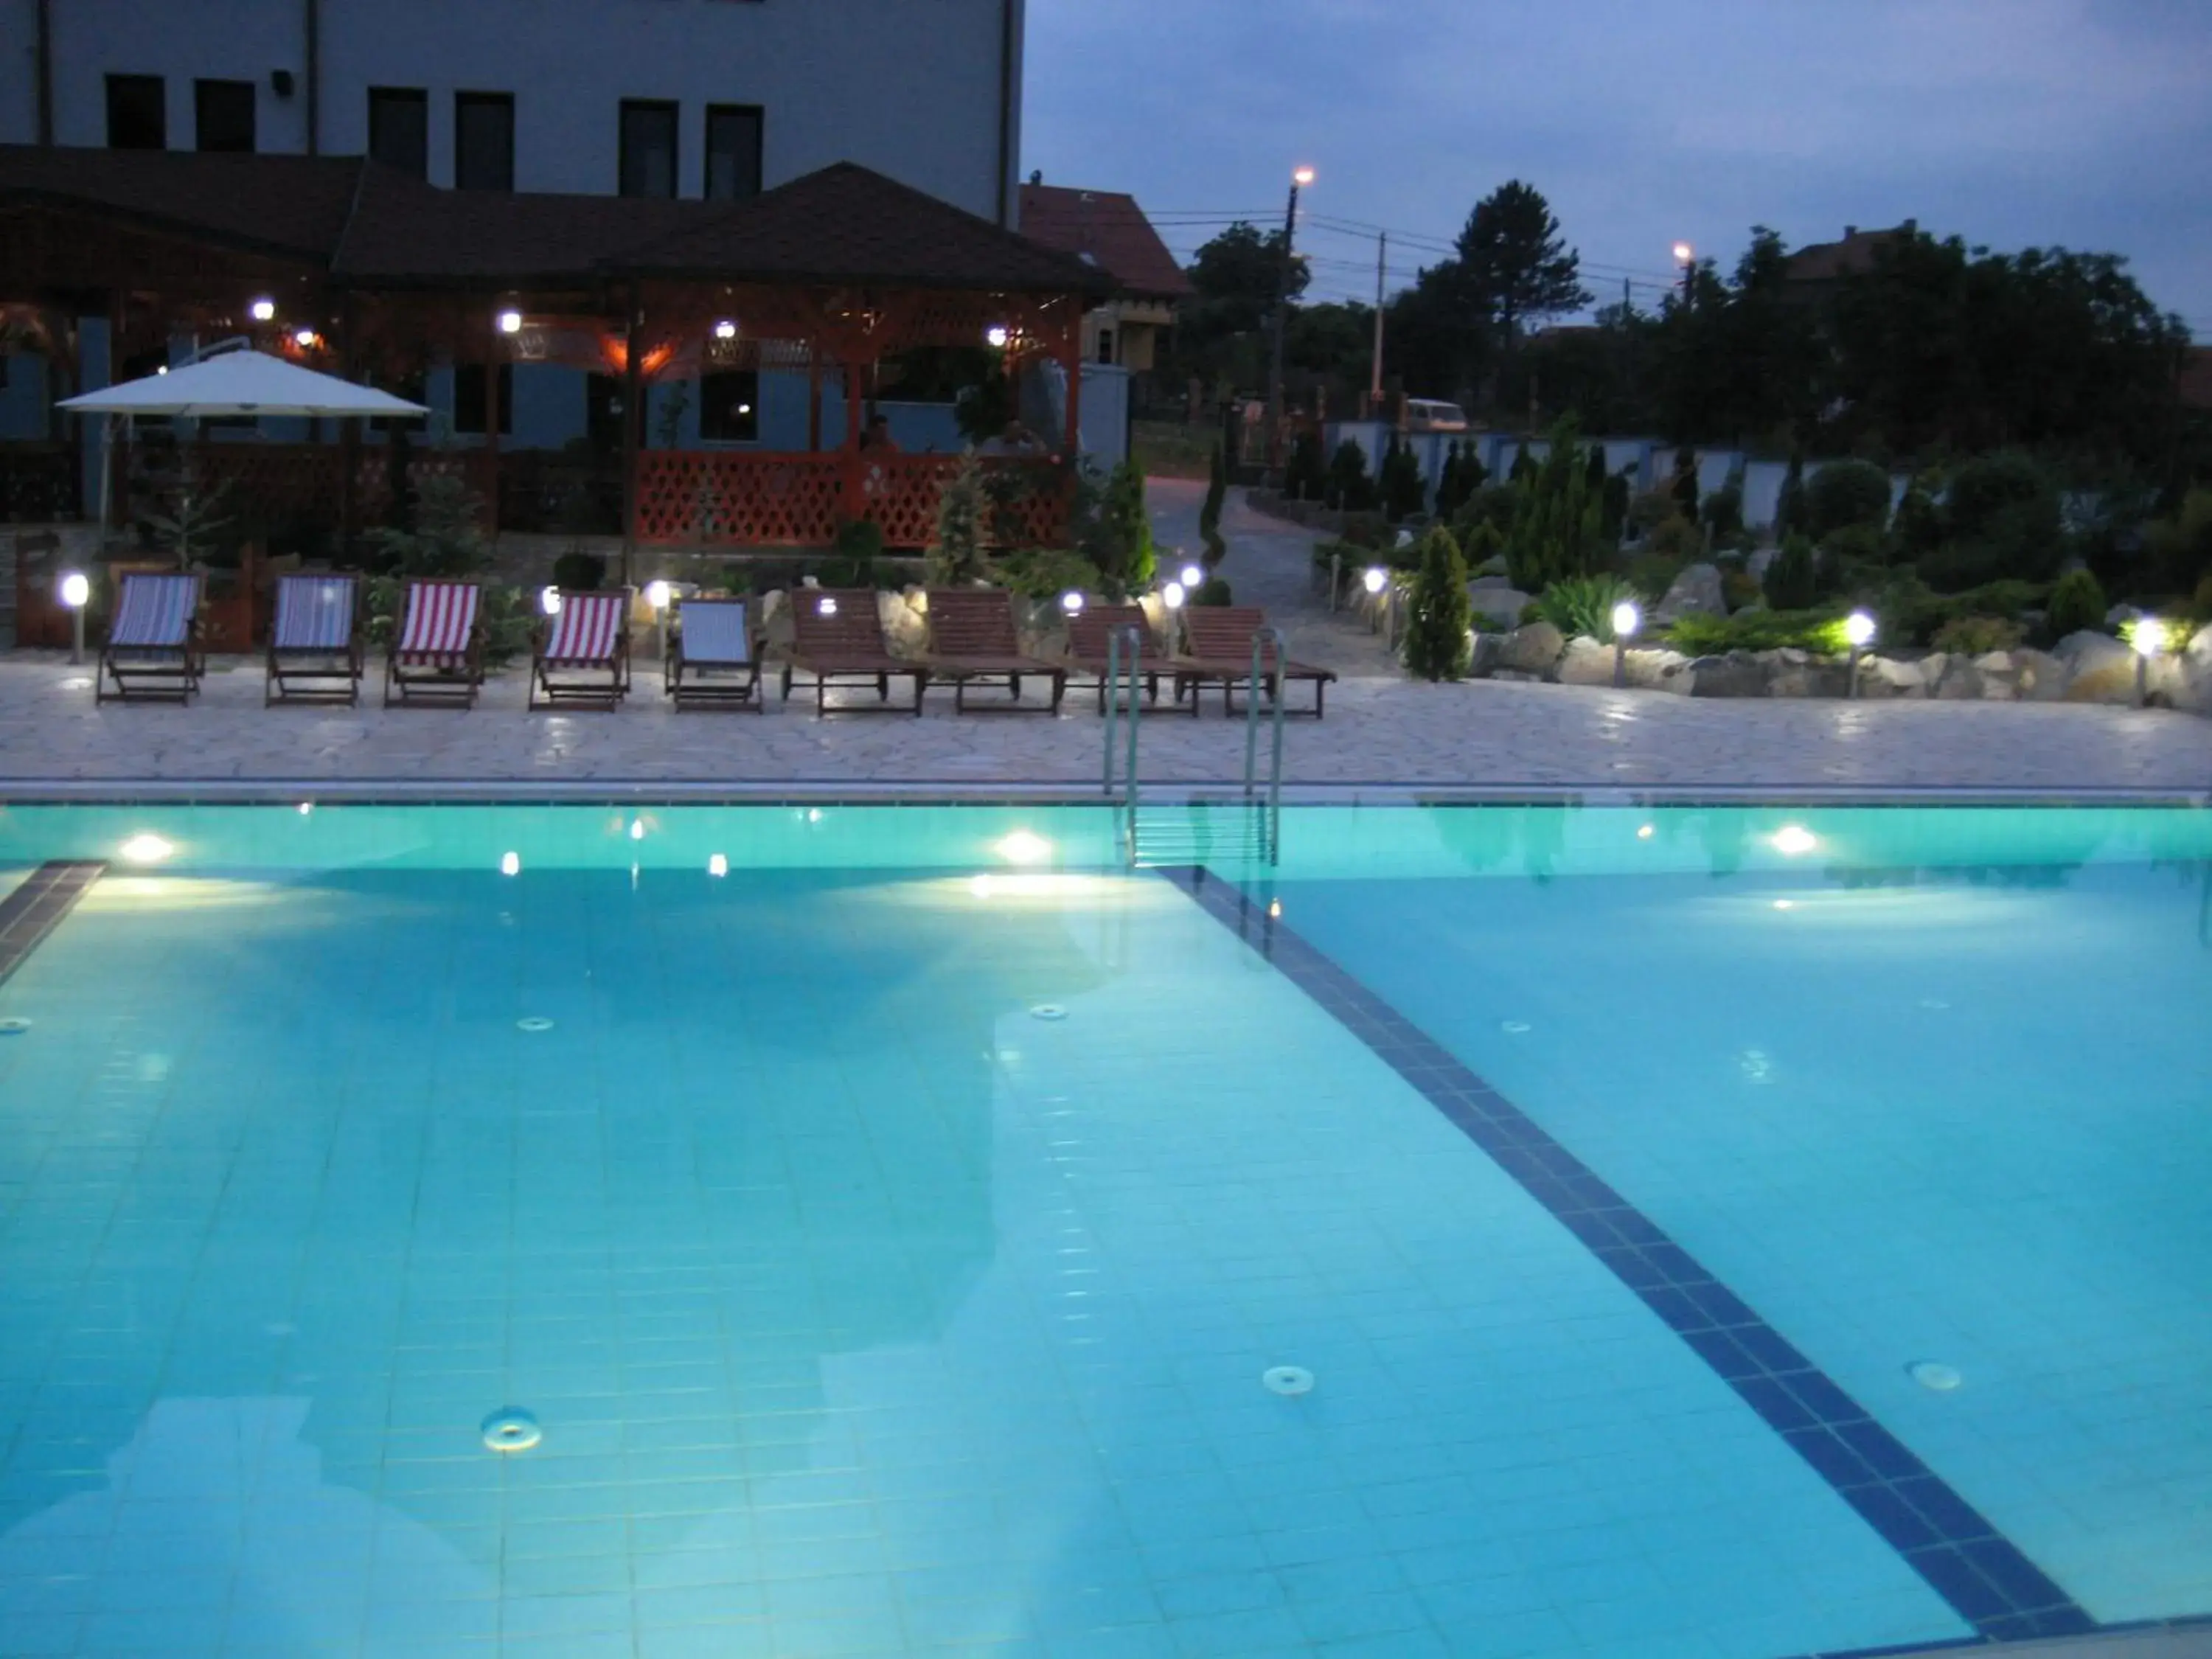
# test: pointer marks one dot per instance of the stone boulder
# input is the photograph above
(1951, 677)
(775, 619)
(1497, 601)
(2100, 669)
(905, 617)
(1531, 650)
(1890, 677)
(1791, 673)
(1738, 674)
(2193, 689)
(1697, 591)
(2039, 677)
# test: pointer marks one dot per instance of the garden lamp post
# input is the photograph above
(1626, 619)
(658, 595)
(1301, 178)
(1858, 629)
(76, 593)
(2149, 638)
(1686, 257)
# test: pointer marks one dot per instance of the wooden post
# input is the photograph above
(632, 379)
(491, 438)
(856, 476)
(814, 396)
(1072, 356)
(348, 438)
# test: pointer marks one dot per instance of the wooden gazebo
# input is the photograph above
(363, 271)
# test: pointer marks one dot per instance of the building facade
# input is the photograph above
(690, 98)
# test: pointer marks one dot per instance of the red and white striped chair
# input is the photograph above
(437, 655)
(153, 647)
(582, 655)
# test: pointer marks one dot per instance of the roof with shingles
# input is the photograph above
(1107, 228)
(368, 223)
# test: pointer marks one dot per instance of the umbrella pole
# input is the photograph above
(107, 476)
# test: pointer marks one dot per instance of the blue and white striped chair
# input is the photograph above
(153, 650)
(713, 658)
(314, 643)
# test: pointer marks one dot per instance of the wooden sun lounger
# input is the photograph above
(1219, 641)
(153, 652)
(314, 643)
(837, 637)
(581, 656)
(972, 637)
(1089, 651)
(713, 656)
(437, 654)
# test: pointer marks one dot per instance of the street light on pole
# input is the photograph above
(1686, 258)
(1300, 180)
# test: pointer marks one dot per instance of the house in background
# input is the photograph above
(1108, 230)
(1820, 268)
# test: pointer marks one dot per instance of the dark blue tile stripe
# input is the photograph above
(36, 906)
(1964, 1559)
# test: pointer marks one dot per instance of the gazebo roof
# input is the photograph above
(370, 227)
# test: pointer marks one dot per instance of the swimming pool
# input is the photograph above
(908, 1229)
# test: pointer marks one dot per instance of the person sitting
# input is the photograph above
(1015, 439)
(879, 435)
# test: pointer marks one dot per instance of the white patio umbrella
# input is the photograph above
(232, 382)
(241, 383)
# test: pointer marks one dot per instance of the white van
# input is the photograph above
(1427, 415)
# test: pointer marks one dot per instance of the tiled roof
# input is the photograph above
(1107, 228)
(1826, 262)
(368, 223)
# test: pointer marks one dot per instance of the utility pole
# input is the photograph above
(1374, 380)
(1303, 176)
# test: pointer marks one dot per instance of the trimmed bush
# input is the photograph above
(1584, 605)
(1820, 630)
(1438, 643)
(1214, 590)
(2076, 603)
(1350, 489)
(1974, 636)
(579, 571)
(1793, 580)
(1844, 493)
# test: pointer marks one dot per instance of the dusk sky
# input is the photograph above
(2014, 123)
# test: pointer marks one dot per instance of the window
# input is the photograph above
(222, 115)
(603, 413)
(137, 112)
(468, 398)
(729, 406)
(484, 141)
(649, 148)
(399, 129)
(733, 151)
(413, 386)
(1105, 345)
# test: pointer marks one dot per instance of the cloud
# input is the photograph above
(2035, 122)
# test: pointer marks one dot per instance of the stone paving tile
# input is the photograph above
(1378, 730)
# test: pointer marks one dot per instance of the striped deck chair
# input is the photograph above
(582, 656)
(315, 644)
(437, 655)
(713, 661)
(153, 650)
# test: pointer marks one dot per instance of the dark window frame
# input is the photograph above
(717, 113)
(119, 83)
(415, 100)
(208, 94)
(464, 102)
(629, 162)
(470, 386)
(737, 428)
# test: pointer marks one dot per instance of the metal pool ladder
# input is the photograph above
(1186, 833)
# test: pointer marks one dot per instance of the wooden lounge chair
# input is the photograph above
(972, 637)
(1088, 652)
(153, 650)
(581, 657)
(314, 643)
(437, 656)
(1219, 641)
(713, 656)
(837, 637)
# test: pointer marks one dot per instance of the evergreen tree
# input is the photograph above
(1121, 544)
(1404, 494)
(1209, 515)
(1438, 643)
(1350, 489)
(1789, 506)
(1448, 492)
(1685, 486)
(1792, 581)
(1558, 520)
(956, 559)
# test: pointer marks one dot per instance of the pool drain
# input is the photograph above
(1935, 1004)
(1289, 1381)
(1513, 1027)
(14, 1026)
(1047, 1011)
(510, 1429)
(1934, 1375)
(533, 1023)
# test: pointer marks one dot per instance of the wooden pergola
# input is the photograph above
(356, 269)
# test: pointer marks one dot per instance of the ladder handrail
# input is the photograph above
(1264, 639)
(1124, 665)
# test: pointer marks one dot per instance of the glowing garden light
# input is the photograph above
(1626, 619)
(825, 606)
(996, 336)
(549, 600)
(657, 595)
(1376, 579)
(263, 310)
(1072, 603)
(725, 329)
(76, 591)
(1192, 575)
(510, 321)
(1172, 596)
(2147, 636)
(1859, 630)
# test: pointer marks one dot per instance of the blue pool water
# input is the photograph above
(889, 1234)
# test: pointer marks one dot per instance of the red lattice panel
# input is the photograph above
(714, 497)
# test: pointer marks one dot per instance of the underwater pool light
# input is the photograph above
(1645, 832)
(1792, 839)
(717, 865)
(510, 864)
(1022, 847)
(145, 848)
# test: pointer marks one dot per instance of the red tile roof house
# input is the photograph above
(1107, 229)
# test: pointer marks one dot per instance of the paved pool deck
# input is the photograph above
(1380, 729)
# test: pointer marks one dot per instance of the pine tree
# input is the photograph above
(1209, 513)
(1404, 493)
(1121, 546)
(1685, 483)
(1350, 489)
(1789, 506)
(1437, 642)
(1448, 495)
(1557, 520)
(956, 559)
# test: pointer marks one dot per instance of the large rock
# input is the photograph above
(905, 617)
(1497, 601)
(1951, 677)
(1587, 662)
(2100, 668)
(1889, 676)
(1791, 673)
(1531, 650)
(2039, 677)
(1738, 674)
(1697, 591)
